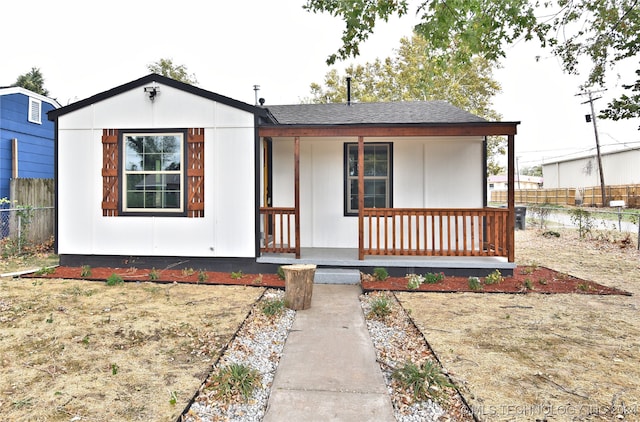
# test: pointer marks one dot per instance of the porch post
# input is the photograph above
(511, 198)
(296, 194)
(360, 197)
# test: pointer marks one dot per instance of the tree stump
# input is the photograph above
(298, 285)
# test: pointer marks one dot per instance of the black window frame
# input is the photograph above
(346, 193)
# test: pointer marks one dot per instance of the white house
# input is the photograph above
(156, 172)
(499, 182)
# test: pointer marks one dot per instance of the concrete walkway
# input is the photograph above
(328, 370)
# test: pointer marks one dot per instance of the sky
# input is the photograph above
(83, 48)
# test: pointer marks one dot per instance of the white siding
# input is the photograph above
(427, 172)
(227, 229)
(620, 168)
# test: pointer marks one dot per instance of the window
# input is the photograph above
(153, 179)
(377, 176)
(35, 111)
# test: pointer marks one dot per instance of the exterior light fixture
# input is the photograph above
(152, 91)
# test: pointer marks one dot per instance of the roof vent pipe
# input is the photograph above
(348, 90)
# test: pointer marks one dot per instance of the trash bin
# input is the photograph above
(521, 217)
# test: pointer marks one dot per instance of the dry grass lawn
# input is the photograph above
(544, 357)
(79, 350)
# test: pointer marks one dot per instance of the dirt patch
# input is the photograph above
(543, 357)
(79, 350)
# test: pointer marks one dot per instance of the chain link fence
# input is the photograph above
(26, 225)
(586, 219)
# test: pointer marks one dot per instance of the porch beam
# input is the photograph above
(511, 220)
(296, 152)
(361, 198)
(458, 129)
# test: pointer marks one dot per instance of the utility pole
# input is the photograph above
(592, 118)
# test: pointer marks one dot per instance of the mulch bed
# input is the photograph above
(165, 276)
(524, 280)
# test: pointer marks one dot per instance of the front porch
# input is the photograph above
(435, 216)
(399, 266)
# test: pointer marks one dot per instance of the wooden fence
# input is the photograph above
(538, 196)
(590, 196)
(38, 195)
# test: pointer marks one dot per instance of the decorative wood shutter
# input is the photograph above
(195, 173)
(109, 172)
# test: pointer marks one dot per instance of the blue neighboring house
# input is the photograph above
(25, 131)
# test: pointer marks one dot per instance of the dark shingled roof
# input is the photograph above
(406, 112)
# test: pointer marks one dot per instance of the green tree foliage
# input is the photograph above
(33, 81)
(598, 32)
(532, 171)
(412, 76)
(627, 106)
(165, 67)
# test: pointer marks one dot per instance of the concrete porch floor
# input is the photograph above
(395, 265)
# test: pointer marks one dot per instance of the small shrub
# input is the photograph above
(380, 307)
(414, 281)
(237, 275)
(494, 277)
(202, 276)
(550, 233)
(173, 399)
(543, 281)
(583, 287)
(380, 274)
(153, 274)
(85, 271)
(527, 270)
(474, 283)
(234, 380)
(273, 307)
(114, 369)
(528, 284)
(432, 278)
(424, 382)
(280, 273)
(186, 272)
(45, 271)
(114, 279)
(583, 220)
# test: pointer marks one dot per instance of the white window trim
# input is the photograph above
(126, 172)
(35, 105)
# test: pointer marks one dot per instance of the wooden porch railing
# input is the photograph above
(279, 228)
(435, 232)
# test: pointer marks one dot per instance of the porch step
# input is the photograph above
(336, 276)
